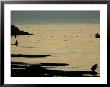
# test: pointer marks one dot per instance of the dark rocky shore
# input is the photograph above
(19, 69)
(16, 31)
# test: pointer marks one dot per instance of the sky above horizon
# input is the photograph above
(28, 17)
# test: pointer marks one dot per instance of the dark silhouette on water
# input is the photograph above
(97, 35)
(19, 69)
(93, 68)
(16, 43)
(28, 56)
(53, 64)
(16, 31)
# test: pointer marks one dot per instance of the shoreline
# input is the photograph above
(36, 70)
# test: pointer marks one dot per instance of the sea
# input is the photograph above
(71, 43)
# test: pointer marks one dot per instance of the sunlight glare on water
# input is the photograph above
(74, 44)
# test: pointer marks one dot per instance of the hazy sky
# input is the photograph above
(55, 16)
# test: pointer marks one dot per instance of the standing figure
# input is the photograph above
(16, 43)
(93, 68)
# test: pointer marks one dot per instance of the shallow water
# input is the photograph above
(74, 44)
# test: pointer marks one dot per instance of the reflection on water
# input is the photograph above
(74, 45)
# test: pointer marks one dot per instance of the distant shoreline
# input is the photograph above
(43, 23)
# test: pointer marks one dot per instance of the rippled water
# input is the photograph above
(75, 45)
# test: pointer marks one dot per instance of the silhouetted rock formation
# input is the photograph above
(97, 35)
(19, 69)
(16, 31)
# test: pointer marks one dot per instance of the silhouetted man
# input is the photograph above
(16, 43)
(94, 68)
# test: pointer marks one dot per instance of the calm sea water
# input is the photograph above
(75, 45)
